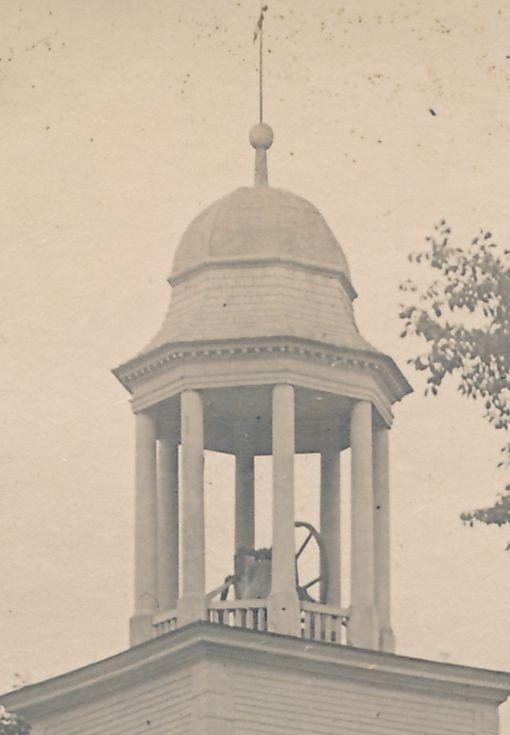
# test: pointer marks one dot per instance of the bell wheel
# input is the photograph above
(311, 564)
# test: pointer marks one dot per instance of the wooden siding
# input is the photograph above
(213, 680)
(267, 703)
(157, 707)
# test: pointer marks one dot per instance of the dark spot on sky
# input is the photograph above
(432, 112)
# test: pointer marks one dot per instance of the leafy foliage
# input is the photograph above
(11, 724)
(464, 318)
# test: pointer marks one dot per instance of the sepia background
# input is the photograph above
(120, 121)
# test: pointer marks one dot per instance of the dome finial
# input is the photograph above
(261, 138)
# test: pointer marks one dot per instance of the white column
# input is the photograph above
(363, 627)
(245, 500)
(168, 522)
(283, 601)
(382, 538)
(330, 523)
(192, 604)
(146, 549)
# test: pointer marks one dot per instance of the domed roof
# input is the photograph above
(259, 222)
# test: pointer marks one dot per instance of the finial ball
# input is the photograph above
(261, 136)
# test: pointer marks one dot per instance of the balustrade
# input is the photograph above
(250, 614)
(164, 623)
(318, 622)
(323, 623)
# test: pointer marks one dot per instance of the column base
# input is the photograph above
(140, 629)
(190, 609)
(284, 614)
(387, 640)
(363, 629)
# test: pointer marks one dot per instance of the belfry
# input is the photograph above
(259, 354)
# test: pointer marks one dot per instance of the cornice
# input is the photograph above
(148, 365)
(325, 269)
(200, 641)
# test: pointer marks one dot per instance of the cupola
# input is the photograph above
(259, 355)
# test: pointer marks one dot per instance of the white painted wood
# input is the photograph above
(165, 702)
(328, 372)
(307, 627)
(164, 616)
(192, 602)
(382, 566)
(168, 523)
(206, 677)
(327, 626)
(363, 627)
(146, 549)
(330, 522)
(297, 703)
(233, 604)
(283, 607)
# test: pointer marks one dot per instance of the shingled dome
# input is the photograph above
(261, 222)
(260, 263)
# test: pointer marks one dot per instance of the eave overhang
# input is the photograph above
(148, 365)
(202, 640)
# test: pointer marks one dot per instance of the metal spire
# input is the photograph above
(261, 135)
(259, 33)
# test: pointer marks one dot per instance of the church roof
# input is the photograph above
(259, 221)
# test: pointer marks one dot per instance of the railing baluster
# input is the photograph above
(327, 624)
(263, 615)
(323, 622)
(336, 629)
(309, 624)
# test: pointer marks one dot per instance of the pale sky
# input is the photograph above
(121, 121)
